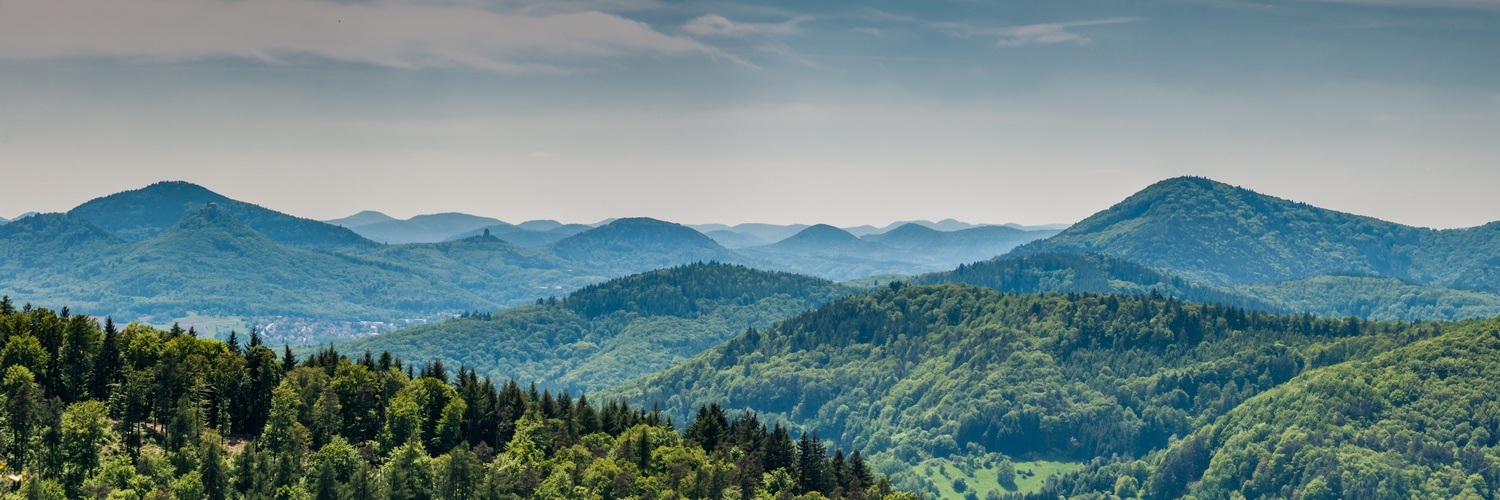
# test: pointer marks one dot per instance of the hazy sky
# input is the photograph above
(840, 112)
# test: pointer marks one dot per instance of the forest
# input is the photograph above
(102, 412)
(911, 373)
(612, 332)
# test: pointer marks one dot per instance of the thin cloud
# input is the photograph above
(411, 34)
(1047, 33)
(1491, 5)
(717, 25)
(1010, 36)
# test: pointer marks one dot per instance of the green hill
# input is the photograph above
(1088, 273)
(142, 213)
(363, 218)
(918, 372)
(608, 333)
(1412, 423)
(634, 245)
(1376, 298)
(495, 270)
(1221, 234)
(424, 228)
(207, 264)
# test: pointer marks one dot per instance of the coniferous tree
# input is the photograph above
(288, 361)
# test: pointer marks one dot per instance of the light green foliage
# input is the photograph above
(913, 371)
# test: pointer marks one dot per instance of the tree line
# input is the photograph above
(98, 411)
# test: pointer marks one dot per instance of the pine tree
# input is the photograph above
(288, 361)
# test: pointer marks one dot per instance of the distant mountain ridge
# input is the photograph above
(1217, 233)
(423, 228)
(363, 218)
(143, 213)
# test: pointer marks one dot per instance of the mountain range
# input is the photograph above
(1195, 340)
(147, 252)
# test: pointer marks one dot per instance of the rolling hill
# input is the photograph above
(1217, 233)
(1429, 403)
(363, 218)
(612, 332)
(921, 372)
(209, 263)
(142, 213)
(430, 228)
(634, 245)
(924, 244)
(1087, 273)
(823, 240)
(1374, 297)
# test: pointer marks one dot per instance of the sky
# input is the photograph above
(783, 112)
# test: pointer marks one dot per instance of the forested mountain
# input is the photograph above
(499, 272)
(363, 218)
(430, 228)
(526, 237)
(827, 251)
(639, 244)
(1088, 273)
(612, 332)
(1213, 232)
(4, 221)
(140, 413)
(731, 239)
(926, 245)
(1412, 423)
(206, 262)
(911, 372)
(1373, 297)
(542, 225)
(142, 213)
(823, 240)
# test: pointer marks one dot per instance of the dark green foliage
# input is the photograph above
(918, 371)
(331, 427)
(612, 332)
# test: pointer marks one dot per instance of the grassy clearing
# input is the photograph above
(1030, 475)
(209, 327)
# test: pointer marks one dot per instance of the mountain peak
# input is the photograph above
(821, 233)
(643, 242)
(1211, 231)
(142, 213)
(364, 218)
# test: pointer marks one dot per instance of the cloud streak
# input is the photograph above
(1037, 34)
(717, 25)
(411, 34)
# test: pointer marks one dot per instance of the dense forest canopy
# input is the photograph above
(612, 332)
(912, 372)
(101, 412)
(1086, 273)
